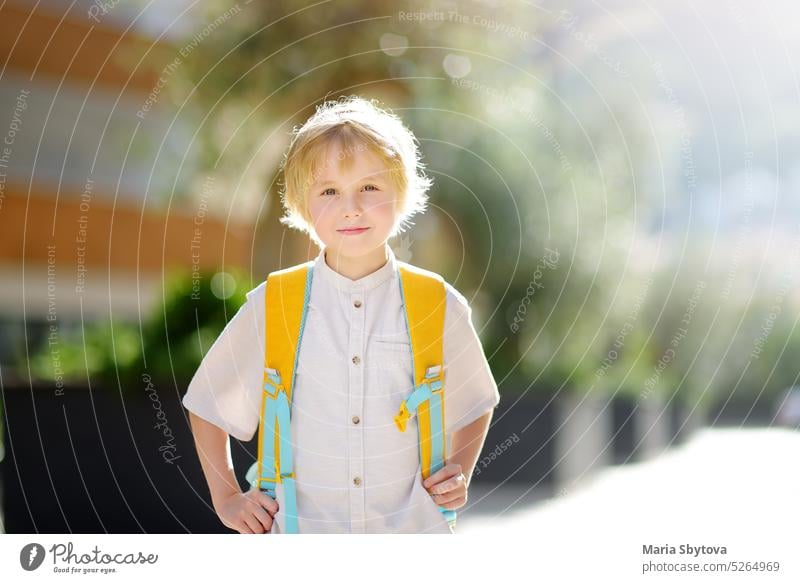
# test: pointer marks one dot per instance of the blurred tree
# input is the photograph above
(169, 345)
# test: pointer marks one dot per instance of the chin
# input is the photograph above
(355, 250)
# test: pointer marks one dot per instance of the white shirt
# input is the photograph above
(356, 472)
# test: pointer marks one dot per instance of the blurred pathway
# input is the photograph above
(734, 487)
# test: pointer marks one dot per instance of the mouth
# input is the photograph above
(352, 230)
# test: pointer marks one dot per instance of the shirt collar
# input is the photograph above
(368, 282)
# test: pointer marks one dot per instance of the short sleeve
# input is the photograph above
(470, 388)
(226, 388)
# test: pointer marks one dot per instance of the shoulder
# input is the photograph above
(257, 293)
(456, 297)
(419, 270)
(291, 269)
(456, 302)
(458, 308)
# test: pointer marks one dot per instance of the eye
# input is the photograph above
(327, 190)
(371, 186)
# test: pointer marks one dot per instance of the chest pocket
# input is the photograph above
(389, 355)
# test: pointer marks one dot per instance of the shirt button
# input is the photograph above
(357, 303)
(356, 419)
(357, 481)
(356, 360)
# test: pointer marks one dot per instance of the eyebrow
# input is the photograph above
(373, 176)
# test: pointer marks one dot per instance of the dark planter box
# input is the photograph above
(685, 421)
(632, 421)
(529, 456)
(92, 462)
(623, 436)
(742, 411)
(563, 440)
(559, 441)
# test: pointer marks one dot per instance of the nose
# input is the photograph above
(352, 205)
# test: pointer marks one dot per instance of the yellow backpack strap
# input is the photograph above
(286, 297)
(425, 300)
(287, 293)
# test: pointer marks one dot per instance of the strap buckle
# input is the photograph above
(258, 483)
(272, 382)
(434, 376)
(277, 480)
(421, 393)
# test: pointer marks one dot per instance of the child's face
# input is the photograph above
(361, 196)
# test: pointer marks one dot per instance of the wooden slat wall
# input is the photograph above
(38, 43)
(121, 238)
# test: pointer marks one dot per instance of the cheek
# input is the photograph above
(320, 210)
(383, 208)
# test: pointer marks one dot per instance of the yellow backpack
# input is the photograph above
(287, 293)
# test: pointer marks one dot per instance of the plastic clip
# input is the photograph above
(402, 417)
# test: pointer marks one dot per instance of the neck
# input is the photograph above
(357, 267)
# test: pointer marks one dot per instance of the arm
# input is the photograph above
(213, 449)
(250, 512)
(467, 444)
(449, 485)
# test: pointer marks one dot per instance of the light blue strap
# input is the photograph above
(437, 437)
(450, 515)
(285, 437)
(268, 438)
(424, 392)
(290, 506)
(437, 446)
(419, 395)
(276, 411)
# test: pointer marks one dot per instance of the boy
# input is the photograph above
(352, 179)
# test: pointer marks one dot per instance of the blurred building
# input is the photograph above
(95, 204)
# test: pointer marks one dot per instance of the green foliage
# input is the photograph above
(169, 345)
(80, 354)
(176, 337)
